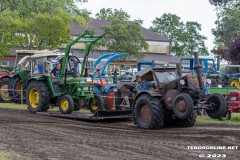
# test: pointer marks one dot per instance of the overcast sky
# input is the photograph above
(147, 10)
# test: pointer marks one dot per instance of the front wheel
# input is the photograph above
(96, 104)
(217, 104)
(183, 106)
(148, 112)
(66, 104)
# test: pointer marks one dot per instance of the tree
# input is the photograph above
(37, 23)
(184, 36)
(123, 35)
(227, 23)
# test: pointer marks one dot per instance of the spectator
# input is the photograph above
(206, 86)
(126, 76)
(56, 71)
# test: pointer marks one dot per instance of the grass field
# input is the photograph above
(4, 155)
(235, 119)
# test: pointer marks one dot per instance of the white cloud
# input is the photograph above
(147, 10)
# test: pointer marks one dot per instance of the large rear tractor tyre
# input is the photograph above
(37, 97)
(183, 106)
(96, 104)
(226, 116)
(218, 106)
(148, 112)
(15, 85)
(189, 121)
(234, 82)
(4, 95)
(66, 104)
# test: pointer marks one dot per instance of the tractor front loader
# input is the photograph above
(67, 90)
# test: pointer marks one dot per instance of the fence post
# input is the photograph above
(21, 95)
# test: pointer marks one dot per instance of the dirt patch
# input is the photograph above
(40, 137)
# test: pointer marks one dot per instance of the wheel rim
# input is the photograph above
(34, 97)
(4, 92)
(225, 115)
(94, 105)
(19, 87)
(145, 113)
(235, 83)
(181, 105)
(64, 104)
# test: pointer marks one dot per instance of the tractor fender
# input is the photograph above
(150, 93)
(34, 78)
(3, 76)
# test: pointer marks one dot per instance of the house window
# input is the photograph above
(5, 63)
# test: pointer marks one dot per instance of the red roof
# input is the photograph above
(96, 24)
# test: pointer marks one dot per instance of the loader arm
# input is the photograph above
(87, 38)
(115, 56)
(100, 58)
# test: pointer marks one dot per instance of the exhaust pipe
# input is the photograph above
(198, 69)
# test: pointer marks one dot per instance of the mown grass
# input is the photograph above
(4, 155)
(235, 119)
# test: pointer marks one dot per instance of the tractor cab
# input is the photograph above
(208, 63)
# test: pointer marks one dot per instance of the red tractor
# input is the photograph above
(233, 104)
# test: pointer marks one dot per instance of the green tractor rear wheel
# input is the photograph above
(15, 86)
(37, 97)
(66, 104)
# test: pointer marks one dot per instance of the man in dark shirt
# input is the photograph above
(56, 71)
(143, 84)
(126, 76)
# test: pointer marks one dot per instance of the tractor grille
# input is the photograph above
(192, 81)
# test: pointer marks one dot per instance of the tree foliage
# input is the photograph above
(227, 29)
(184, 36)
(123, 35)
(227, 24)
(38, 23)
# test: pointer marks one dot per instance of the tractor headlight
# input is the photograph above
(182, 82)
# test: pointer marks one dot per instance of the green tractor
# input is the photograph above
(18, 78)
(70, 88)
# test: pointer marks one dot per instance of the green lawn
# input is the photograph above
(4, 155)
(235, 119)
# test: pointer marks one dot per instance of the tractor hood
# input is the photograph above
(78, 80)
